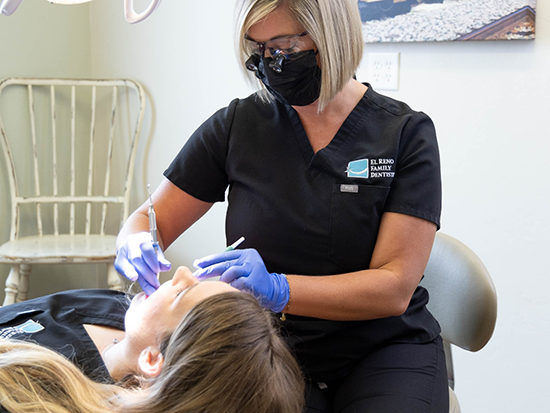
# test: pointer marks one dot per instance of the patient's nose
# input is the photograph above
(184, 277)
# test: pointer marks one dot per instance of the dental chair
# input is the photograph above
(462, 299)
(70, 148)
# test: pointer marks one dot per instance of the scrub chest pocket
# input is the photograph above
(355, 214)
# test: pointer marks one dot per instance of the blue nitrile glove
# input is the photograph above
(245, 270)
(138, 260)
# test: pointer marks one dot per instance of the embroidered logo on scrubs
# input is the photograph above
(358, 169)
(371, 168)
(28, 327)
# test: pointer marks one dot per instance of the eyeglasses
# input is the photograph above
(286, 44)
(281, 49)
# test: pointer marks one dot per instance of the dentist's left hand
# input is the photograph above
(137, 260)
(245, 270)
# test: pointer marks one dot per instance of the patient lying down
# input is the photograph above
(190, 346)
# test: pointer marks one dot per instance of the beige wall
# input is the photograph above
(41, 39)
(489, 101)
(184, 56)
(45, 40)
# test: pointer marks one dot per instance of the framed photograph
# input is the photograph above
(447, 20)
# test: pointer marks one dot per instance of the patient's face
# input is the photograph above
(150, 318)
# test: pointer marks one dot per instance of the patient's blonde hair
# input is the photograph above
(36, 379)
(226, 356)
(334, 26)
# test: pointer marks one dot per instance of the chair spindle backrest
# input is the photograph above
(88, 191)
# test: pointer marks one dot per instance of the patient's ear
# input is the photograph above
(151, 361)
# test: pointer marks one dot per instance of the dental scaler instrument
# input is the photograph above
(153, 222)
(152, 225)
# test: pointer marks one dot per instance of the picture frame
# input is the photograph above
(447, 20)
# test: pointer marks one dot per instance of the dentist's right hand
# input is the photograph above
(137, 260)
(245, 270)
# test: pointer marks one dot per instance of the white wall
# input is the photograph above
(489, 100)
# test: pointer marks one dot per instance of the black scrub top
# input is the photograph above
(56, 321)
(318, 213)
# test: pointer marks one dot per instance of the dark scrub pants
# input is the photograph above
(401, 378)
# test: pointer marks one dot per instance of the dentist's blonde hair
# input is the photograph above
(334, 26)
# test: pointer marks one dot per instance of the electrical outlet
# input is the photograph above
(383, 71)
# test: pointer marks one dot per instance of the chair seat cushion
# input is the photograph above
(51, 249)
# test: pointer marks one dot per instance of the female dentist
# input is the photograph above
(337, 190)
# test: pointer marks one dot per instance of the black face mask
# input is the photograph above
(299, 81)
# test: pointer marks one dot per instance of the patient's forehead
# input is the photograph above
(207, 288)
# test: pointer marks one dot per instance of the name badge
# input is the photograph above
(352, 189)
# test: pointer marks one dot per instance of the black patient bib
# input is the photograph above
(56, 321)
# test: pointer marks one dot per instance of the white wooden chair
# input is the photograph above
(462, 298)
(70, 149)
